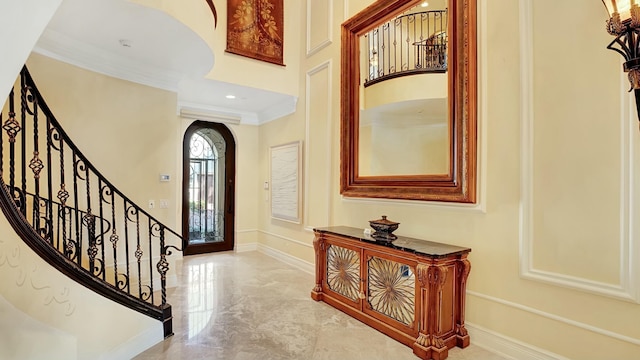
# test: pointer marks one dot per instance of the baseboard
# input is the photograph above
(506, 346)
(137, 344)
(247, 247)
(287, 259)
(491, 341)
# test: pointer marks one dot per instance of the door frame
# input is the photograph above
(229, 190)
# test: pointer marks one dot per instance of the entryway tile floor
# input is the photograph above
(246, 306)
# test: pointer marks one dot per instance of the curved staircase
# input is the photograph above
(64, 209)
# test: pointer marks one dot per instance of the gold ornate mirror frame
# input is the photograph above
(459, 185)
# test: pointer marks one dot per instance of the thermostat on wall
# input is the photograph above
(165, 177)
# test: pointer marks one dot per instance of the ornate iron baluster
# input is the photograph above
(63, 196)
(90, 221)
(102, 230)
(384, 65)
(138, 253)
(78, 222)
(151, 227)
(113, 238)
(12, 127)
(23, 144)
(163, 266)
(35, 164)
(50, 182)
(126, 244)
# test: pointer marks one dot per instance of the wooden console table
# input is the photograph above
(412, 290)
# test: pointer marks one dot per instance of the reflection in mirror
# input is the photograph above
(409, 101)
(403, 115)
(415, 129)
(391, 289)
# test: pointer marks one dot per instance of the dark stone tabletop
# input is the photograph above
(402, 243)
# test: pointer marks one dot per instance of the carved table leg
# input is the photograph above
(421, 347)
(437, 279)
(318, 247)
(429, 345)
(462, 337)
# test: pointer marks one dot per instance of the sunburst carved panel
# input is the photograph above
(391, 289)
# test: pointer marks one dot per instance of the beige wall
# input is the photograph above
(128, 131)
(551, 239)
(552, 261)
(432, 86)
(387, 148)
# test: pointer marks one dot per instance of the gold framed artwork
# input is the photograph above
(255, 29)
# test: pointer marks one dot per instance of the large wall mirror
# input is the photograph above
(408, 101)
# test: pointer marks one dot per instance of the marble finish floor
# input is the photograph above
(245, 306)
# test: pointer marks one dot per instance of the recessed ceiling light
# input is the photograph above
(424, 4)
(230, 96)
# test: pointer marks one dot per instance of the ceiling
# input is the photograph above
(147, 46)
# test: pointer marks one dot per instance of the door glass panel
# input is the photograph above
(392, 287)
(206, 187)
(343, 271)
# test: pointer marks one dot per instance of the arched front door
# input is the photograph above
(208, 181)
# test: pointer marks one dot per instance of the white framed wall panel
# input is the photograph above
(319, 25)
(494, 343)
(603, 208)
(318, 140)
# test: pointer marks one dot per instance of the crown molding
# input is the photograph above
(278, 110)
(199, 111)
(199, 114)
(61, 47)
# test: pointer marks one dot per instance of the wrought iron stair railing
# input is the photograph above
(412, 43)
(73, 217)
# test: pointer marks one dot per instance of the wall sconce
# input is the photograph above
(624, 24)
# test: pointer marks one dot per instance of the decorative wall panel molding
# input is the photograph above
(318, 140)
(553, 317)
(627, 287)
(319, 25)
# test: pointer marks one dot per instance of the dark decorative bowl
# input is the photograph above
(383, 229)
